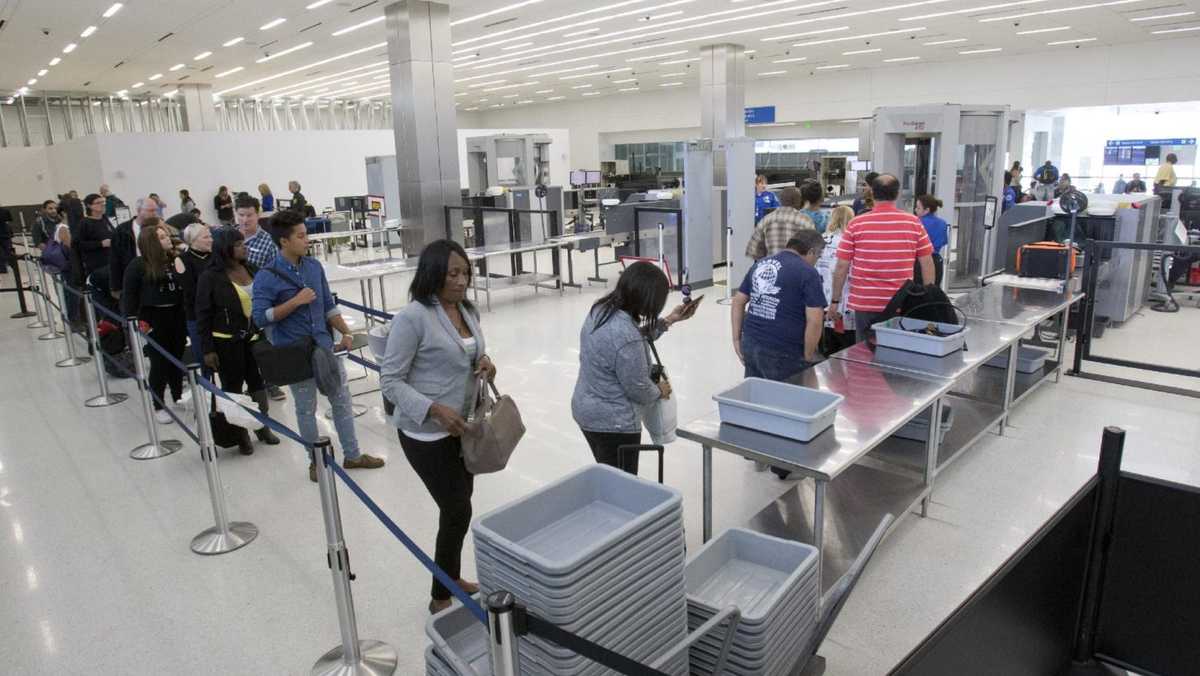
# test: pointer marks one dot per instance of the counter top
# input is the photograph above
(878, 402)
(999, 303)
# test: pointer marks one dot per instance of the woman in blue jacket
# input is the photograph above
(763, 199)
(936, 228)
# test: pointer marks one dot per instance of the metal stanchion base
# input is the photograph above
(358, 410)
(53, 335)
(150, 451)
(101, 400)
(213, 541)
(72, 361)
(38, 325)
(22, 315)
(378, 659)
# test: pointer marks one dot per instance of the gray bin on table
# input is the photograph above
(785, 410)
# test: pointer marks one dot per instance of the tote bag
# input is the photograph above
(494, 428)
(661, 417)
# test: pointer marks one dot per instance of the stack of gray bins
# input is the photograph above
(773, 582)
(460, 644)
(600, 554)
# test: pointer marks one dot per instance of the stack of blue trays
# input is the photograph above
(460, 644)
(773, 582)
(600, 554)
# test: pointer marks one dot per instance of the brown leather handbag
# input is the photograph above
(494, 428)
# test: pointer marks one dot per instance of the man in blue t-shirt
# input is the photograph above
(778, 311)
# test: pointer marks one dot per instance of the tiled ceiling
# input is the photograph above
(516, 53)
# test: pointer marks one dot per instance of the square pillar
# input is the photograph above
(199, 114)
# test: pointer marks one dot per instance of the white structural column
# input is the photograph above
(418, 35)
(722, 91)
(199, 114)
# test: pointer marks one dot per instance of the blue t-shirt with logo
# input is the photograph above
(781, 288)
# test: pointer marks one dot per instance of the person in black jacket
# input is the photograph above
(124, 245)
(223, 203)
(199, 241)
(152, 293)
(45, 227)
(95, 236)
(227, 334)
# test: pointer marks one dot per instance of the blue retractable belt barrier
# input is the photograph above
(109, 314)
(365, 310)
(363, 362)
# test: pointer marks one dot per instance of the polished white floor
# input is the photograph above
(97, 577)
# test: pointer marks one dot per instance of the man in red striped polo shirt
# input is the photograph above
(878, 250)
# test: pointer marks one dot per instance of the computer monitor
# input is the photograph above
(860, 165)
(593, 178)
(578, 177)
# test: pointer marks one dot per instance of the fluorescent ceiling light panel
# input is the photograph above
(555, 98)
(232, 42)
(599, 72)
(33, 81)
(1044, 30)
(519, 45)
(562, 19)
(201, 56)
(944, 42)
(544, 91)
(792, 36)
(524, 101)
(988, 50)
(123, 92)
(591, 93)
(898, 59)
(510, 96)
(271, 24)
(487, 84)
(42, 72)
(899, 31)
(1161, 16)
(136, 85)
(171, 93)
(548, 72)
(670, 84)
(1069, 42)
(1059, 10)
(974, 10)
(676, 74)
(769, 73)
(493, 12)
(307, 66)
(585, 31)
(515, 85)
(1176, 30)
(55, 61)
(231, 71)
(69, 48)
(362, 24)
(154, 77)
(793, 59)
(656, 56)
(836, 65)
(462, 94)
(863, 51)
(582, 86)
(113, 9)
(679, 61)
(626, 80)
(289, 50)
(318, 3)
(87, 31)
(656, 17)
(176, 67)
(629, 89)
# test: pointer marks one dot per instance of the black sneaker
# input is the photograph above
(276, 393)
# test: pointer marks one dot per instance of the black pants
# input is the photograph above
(863, 322)
(169, 329)
(238, 368)
(440, 466)
(604, 447)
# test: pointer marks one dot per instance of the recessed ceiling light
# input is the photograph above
(836, 65)
(154, 77)
(231, 71)
(1044, 30)
(519, 45)
(982, 51)
(862, 51)
(318, 3)
(525, 101)
(656, 56)
(591, 93)
(1058, 10)
(136, 85)
(69, 48)
(87, 31)
(271, 24)
(625, 80)
(1162, 16)
(770, 73)
(33, 81)
(582, 86)
(284, 52)
(1069, 42)
(944, 42)
(55, 61)
(498, 10)
(176, 67)
(42, 72)
(1176, 30)
(473, 108)
(675, 74)
(793, 59)
(233, 41)
(898, 59)
(363, 24)
(670, 84)
(201, 56)
(113, 9)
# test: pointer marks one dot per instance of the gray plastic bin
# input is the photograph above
(917, 429)
(785, 410)
(750, 570)
(902, 333)
(1030, 359)
(460, 640)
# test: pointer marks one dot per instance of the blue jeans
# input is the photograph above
(771, 363)
(304, 394)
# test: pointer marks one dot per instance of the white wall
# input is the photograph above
(24, 175)
(1100, 75)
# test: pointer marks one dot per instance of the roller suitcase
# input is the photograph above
(1044, 259)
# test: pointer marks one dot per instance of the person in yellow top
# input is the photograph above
(1166, 173)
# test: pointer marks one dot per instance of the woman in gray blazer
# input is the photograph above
(435, 355)
(614, 363)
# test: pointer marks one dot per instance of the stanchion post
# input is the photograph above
(729, 281)
(25, 313)
(38, 304)
(53, 333)
(156, 448)
(72, 358)
(225, 536)
(502, 640)
(353, 656)
(105, 398)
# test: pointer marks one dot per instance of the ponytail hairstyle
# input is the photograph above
(641, 292)
(930, 202)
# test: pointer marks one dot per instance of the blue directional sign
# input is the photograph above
(760, 115)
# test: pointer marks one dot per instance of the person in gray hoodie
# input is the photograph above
(615, 379)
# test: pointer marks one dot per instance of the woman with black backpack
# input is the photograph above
(223, 300)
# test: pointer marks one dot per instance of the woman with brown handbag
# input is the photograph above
(435, 354)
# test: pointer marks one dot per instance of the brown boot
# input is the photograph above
(245, 446)
(264, 434)
(363, 461)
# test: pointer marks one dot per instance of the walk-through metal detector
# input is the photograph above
(957, 154)
(718, 208)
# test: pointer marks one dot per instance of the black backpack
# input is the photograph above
(921, 302)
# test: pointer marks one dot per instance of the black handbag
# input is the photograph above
(284, 364)
(225, 434)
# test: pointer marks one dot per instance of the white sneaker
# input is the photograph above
(163, 417)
